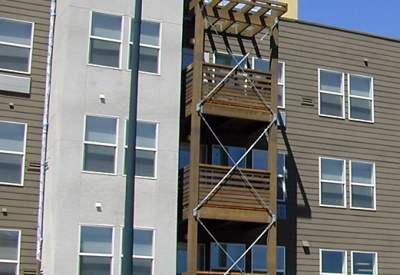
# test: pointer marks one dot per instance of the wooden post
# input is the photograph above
(195, 142)
(273, 149)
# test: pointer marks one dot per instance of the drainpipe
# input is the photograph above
(39, 239)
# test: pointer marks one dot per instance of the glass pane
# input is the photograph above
(96, 239)
(8, 269)
(146, 135)
(280, 95)
(15, 32)
(331, 81)
(363, 263)
(12, 136)
(333, 262)
(11, 168)
(106, 25)
(229, 60)
(148, 60)
(281, 195)
(99, 158)
(260, 159)
(280, 258)
(362, 196)
(142, 266)
(14, 58)
(221, 158)
(220, 261)
(261, 65)
(9, 245)
(259, 257)
(150, 33)
(332, 194)
(280, 72)
(95, 265)
(331, 105)
(143, 242)
(145, 163)
(361, 109)
(360, 86)
(104, 53)
(101, 129)
(362, 172)
(332, 169)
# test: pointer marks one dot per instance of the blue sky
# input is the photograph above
(381, 17)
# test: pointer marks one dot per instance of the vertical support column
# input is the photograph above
(192, 236)
(273, 149)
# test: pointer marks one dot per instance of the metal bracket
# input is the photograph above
(199, 108)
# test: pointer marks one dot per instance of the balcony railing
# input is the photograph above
(244, 89)
(234, 193)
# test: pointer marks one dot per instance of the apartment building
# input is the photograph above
(85, 180)
(24, 38)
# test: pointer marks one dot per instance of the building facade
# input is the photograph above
(24, 39)
(85, 183)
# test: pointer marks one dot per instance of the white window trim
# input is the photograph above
(115, 145)
(30, 47)
(373, 185)
(100, 255)
(375, 271)
(253, 270)
(148, 46)
(120, 41)
(344, 263)
(23, 154)
(282, 83)
(19, 250)
(331, 93)
(371, 98)
(152, 258)
(334, 182)
(229, 265)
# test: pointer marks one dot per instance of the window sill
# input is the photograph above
(17, 72)
(332, 206)
(98, 173)
(361, 120)
(12, 184)
(329, 116)
(363, 209)
(104, 67)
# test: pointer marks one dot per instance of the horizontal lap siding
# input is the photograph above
(22, 202)
(304, 48)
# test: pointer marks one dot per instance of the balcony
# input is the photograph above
(235, 200)
(222, 273)
(244, 95)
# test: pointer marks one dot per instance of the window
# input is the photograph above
(220, 157)
(9, 251)
(260, 162)
(361, 95)
(150, 45)
(331, 93)
(143, 254)
(184, 154)
(182, 257)
(259, 259)
(105, 40)
(364, 263)
(229, 60)
(362, 185)
(100, 144)
(263, 65)
(220, 259)
(146, 148)
(16, 40)
(12, 152)
(332, 182)
(333, 262)
(95, 254)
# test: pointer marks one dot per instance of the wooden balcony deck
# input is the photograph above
(235, 200)
(237, 97)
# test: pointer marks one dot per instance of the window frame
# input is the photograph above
(258, 270)
(120, 41)
(219, 268)
(30, 47)
(23, 154)
(282, 83)
(19, 250)
(100, 255)
(375, 268)
(147, 45)
(344, 263)
(372, 185)
(244, 160)
(152, 257)
(84, 142)
(342, 94)
(343, 183)
(371, 98)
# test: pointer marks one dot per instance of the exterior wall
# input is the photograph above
(71, 195)
(21, 202)
(293, 9)
(304, 48)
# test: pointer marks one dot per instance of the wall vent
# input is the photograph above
(307, 101)
(34, 166)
